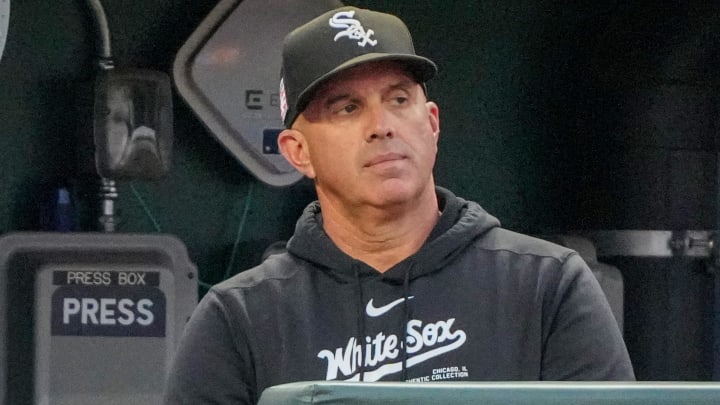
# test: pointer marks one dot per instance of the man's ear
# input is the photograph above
(294, 148)
(434, 115)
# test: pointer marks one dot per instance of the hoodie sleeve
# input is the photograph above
(583, 342)
(209, 367)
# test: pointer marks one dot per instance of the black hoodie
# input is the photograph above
(476, 302)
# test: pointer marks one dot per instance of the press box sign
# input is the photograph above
(108, 303)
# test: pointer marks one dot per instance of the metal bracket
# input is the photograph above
(700, 244)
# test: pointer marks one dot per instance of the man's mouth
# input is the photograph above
(383, 158)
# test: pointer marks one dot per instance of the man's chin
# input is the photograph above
(396, 192)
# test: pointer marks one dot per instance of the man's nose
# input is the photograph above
(380, 124)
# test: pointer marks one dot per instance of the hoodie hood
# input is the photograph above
(461, 222)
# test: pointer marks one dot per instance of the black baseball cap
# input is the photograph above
(338, 40)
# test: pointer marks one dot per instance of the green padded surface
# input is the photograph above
(504, 393)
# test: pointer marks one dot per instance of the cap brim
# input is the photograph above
(421, 68)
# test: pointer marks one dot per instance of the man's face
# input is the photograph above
(368, 137)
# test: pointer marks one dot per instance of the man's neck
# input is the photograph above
(382, 237)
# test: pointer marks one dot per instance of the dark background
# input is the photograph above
(555, 116)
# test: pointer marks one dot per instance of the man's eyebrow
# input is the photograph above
(332, 99)
(329, 98)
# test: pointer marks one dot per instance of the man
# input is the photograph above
(388, 277)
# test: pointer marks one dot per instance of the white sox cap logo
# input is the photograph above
(352, 28)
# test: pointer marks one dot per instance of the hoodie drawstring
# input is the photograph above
(406, 318)
(360, 318)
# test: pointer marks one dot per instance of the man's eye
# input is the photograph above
(399, 100)
(347, 109)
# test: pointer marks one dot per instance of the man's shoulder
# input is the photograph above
(279, 267)
(500, 239)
